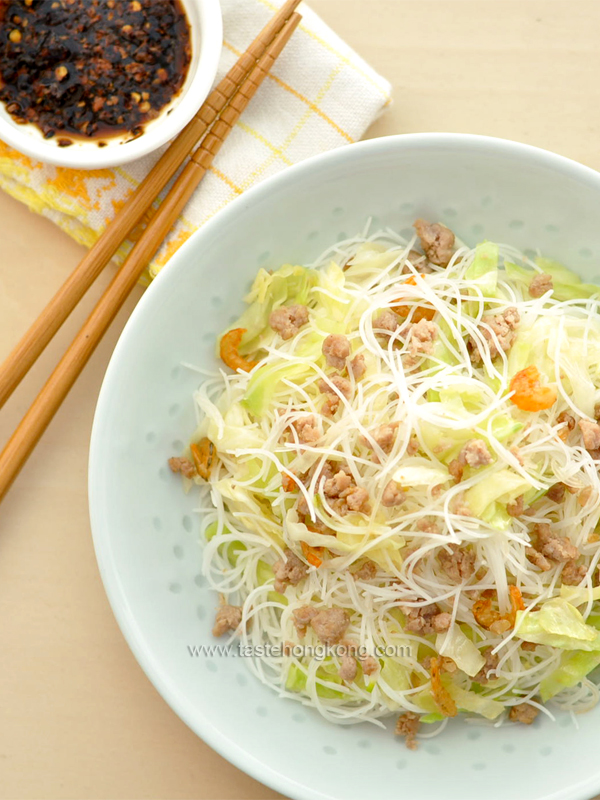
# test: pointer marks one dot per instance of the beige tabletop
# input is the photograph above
(78, 719)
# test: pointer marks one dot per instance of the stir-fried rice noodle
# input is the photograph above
(455, 390)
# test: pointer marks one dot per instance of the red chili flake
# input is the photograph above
(75, 67)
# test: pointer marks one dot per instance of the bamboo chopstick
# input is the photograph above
(48, 401)
(35, 340)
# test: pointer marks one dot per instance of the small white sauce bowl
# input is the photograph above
(206, 31)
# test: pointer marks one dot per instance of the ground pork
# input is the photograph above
(568, 424)
(330, 405)
(436, 240)
(459, 564)
(348, 668)
(302, 619)
(338, 484)
(386, 321)
(503, 326)
(418, 261)
(343, 385)
(556, 492)
(184, 466)
(491, 662)
(287, 320)
(392, 495)
(427, 526)
(332, 398)
(336, 349)
(330, 624)
(366, 571)
(572, 573)
(448, 664)
(357, 367)
(537, 559)
(517, 508)
(358, 499)
(307, 429)
(369, 664)
(384, 436)
(319, 526)
(584, 496)
(344, 495)
(459, 507)
(302, 506)
(556, 548)
(541, 284)
(413, 446)
(456, 469)
(528, 646)
(289, 572)
(407, 725)
(475, 454)
(462, 510)
(426, 619)
(542, 531)
(524, 713)
(422, 335)
(228, 618)
(590, 432)
(324, 471)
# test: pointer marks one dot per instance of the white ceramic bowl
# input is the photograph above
(144, 529)
(206, 26)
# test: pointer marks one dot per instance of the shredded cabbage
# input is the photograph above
(558, 624)
(461, 650)
(574, 667)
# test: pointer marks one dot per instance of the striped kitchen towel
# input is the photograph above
(320, 95)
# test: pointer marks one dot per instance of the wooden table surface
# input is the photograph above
(78, 719)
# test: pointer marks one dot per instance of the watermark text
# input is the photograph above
(299, 651)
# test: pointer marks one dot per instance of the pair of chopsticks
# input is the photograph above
(211, 125)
